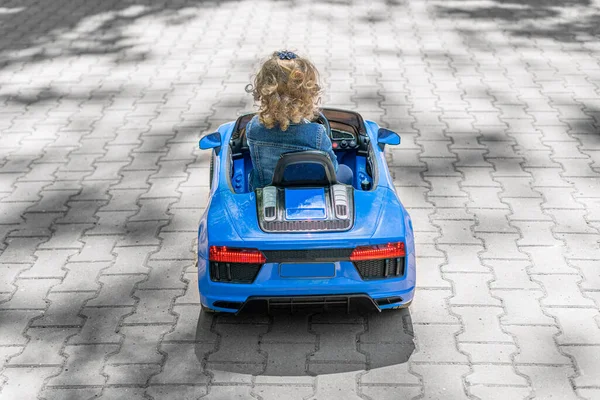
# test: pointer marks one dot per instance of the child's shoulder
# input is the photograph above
(254, 126)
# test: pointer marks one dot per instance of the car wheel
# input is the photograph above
(210, 174)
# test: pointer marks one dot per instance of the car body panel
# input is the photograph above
(230, 220)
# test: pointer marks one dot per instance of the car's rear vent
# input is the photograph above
(308, 226)
(380, 269)
(269, 212)
(233, 305)
(233, 272)
(388, 300)
(340, 199)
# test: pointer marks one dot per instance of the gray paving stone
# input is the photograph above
(106, 171)
(37, 224)
(238, 344)
(192, 326)
(53, 201)
(441, 382)
(519, 187)
(522, 307)
(151, 306)
(83, 366)
(581, 246)
(20, 250)
(63, 309)
(336, 385)
(489, 352)
(170, 392)
(430, 275)
(139, 345)
(111, 223)
(550, 381)
(115, 393)
(25, 382)
(117, 290)
(495, 375)
(579, 327)
(44, 347)
(436, 343)
(184, 220)
(100, 325)
(123, 200)
(192, 295)
(431, 307)
(66, 237)
(494, 392)
(481, 324)
(174, 249)
(501, 246)
(95, 248)
(335, 344)
(456, 232)
(14, 324)
(163, 187)
(289, 329)
(48, 264)
(81, 277)
(492, 220)
(545, 350)
(445, 186)
(570, 221)
(471, 289)
(130, 260)
(588, 393)
(30, 294)
(590, 272)
(165, 275)
(564, 291)
(391, 375)
(183, 364)
(8, 273)
(548, 260)
(291, 392)
(142, 234)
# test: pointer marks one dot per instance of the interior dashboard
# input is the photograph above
(341, 140)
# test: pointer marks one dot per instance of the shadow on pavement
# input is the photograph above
(303, 344)
(532, 18)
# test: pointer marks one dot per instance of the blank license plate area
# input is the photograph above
(307, 270)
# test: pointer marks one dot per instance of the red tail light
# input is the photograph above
(390, 250)
(231, 255)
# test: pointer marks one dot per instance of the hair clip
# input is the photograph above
(286, 55)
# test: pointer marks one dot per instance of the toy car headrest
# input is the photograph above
(311, 167)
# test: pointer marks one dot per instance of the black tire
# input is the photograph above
(210, 174)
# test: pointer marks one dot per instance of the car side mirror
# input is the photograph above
(385, 136)
(211, 141)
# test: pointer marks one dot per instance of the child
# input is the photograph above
(287, 87)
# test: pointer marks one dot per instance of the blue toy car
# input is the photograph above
(305, 239)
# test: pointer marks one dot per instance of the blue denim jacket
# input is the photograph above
(267, 146)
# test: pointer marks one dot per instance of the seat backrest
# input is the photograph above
(304, 168)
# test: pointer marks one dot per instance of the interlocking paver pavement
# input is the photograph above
(102, 185)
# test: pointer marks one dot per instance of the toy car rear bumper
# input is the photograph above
(272, 290)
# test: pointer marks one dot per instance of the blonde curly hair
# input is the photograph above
(287, 88)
